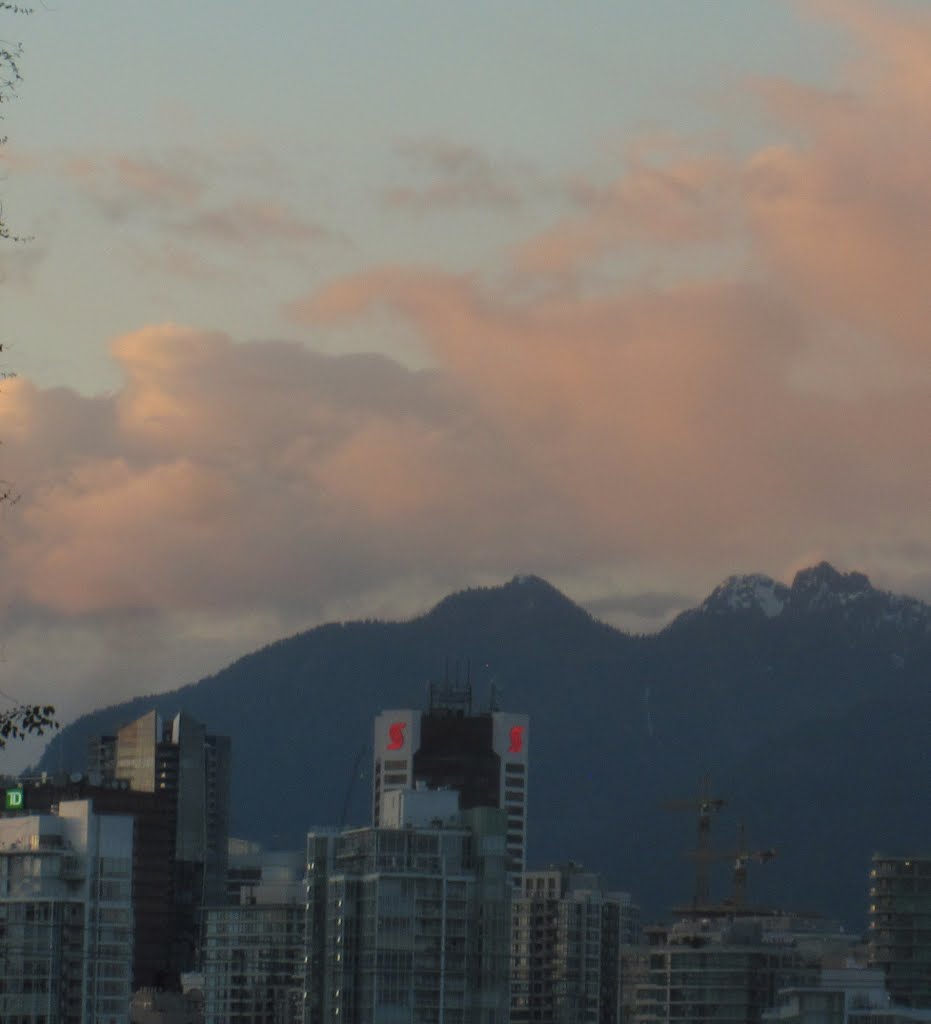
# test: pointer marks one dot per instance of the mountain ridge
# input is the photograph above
(619, 724)
(817, 588)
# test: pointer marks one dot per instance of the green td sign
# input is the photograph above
(14, 799)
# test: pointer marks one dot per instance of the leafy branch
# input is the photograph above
(26, 720)
(10, 78)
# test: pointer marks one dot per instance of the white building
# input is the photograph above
(66, 917)
(849, 995)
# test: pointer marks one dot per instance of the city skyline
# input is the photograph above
(327, 314)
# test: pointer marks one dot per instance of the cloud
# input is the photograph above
(651, 605)
(655, 202)
(767, 396)
(768, 393)
(836, 213)
(194, 203)
(844, 216)
(236, 475)
(249, 223)
(123, 186)
(448, 175)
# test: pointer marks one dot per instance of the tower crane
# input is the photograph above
(706, 806)
(741, 858)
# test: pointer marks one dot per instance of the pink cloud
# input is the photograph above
(249, 222)
(576, 420)
(702, 413)
(444, 175)
(652, 203)
(184, 196)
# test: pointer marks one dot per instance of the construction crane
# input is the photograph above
(741, 858)
(706, 806)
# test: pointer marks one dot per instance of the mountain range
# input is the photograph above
(808, 704)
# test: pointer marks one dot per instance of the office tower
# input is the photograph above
(180, 759)
(192, 769)
(481, 755)
(252, 955)
(151, 874)
(409, 924)
(565, 944)
(65, 917)
(900, 926)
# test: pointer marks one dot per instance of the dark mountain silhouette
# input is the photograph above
(808, 704)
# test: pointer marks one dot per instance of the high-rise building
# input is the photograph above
(179, 759)
(480, 755)
(410, 924)
(151, 874)
(66, 917)
(900, 926)
(565, 944)
(252, 954)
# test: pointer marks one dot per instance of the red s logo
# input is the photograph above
(396, 735)
(517, 739)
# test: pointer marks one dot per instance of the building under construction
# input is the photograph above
(707, 971)
(723, 961)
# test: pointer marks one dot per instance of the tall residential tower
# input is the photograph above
(410, 921)
(900, 926)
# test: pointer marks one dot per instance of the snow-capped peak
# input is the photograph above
(754, 592)
(822, 586)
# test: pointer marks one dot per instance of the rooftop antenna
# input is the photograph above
(451, 697)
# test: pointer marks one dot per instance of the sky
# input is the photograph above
(327, 310)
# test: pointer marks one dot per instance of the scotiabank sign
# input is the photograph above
(396, 736)
(397, 733)
(511, 736)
